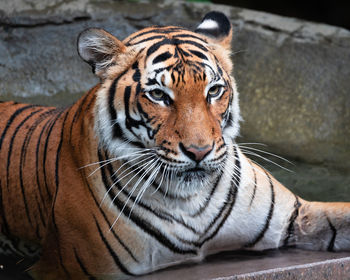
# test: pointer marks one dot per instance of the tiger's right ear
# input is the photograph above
(217, 28)
(99, 48)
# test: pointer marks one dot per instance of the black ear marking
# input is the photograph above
(214, 24)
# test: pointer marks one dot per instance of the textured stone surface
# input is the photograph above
(285, 264)
(293, 75)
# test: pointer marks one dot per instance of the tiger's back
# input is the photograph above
(24, 128)
(31, 139)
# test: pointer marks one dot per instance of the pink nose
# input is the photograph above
(196, 153)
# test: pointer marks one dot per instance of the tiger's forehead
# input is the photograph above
(172, 55)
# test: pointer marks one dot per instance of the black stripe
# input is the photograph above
(28, 137)
(151, 230)
(190, 42)
(10, 121)
(144, 225)
(77, 114)
(290, 229)
(129, 121)
(231, 201)
(156, 31)
(58, 152)
(38, 145)
(162, 57)
(9, 162)
(226, 207)
(199, 54)
(105, 182)
(330, 247)
(208, 199)
(53, 216)
(149, 39)
(23, 158)
(268, 217)
(116, 259)
(160, 215)
(255, 186)
(190, 36)
(112, 112)
(224, 154)
(82, 266)
(45, 154)
(223, 145)
(109, 224)
(137, 75)
(157, 45)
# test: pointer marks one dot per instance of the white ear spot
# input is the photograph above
(208, 24)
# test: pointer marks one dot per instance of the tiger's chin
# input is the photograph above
(191, 181)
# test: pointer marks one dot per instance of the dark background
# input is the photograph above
(331, 12)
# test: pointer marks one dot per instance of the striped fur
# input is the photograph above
(143, 171)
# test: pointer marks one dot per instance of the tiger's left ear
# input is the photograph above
(217, 27)
(100, 49)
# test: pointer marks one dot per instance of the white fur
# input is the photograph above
(208, 24)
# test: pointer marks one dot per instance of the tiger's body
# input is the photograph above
(143, 171)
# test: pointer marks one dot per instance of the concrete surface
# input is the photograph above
(282, 264)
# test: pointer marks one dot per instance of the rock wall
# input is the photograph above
(293, 76)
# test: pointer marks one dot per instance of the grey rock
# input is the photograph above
(293, 75)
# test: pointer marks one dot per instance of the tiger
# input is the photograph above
(144, 171)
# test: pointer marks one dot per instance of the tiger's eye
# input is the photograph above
(214, 91)
(157, 94)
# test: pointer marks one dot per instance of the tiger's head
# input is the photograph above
(166, 92)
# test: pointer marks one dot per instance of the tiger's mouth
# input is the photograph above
(194, 174)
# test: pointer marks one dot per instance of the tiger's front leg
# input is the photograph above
(323, 226)
(266, 215)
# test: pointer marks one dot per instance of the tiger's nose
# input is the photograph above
(194, 152)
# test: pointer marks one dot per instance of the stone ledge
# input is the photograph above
(337, 269)
(291, 264)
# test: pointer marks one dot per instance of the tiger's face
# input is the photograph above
(167, 92)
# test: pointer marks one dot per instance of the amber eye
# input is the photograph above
(214, 91)
(157, 94)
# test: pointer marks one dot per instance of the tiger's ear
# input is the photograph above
(99, 48)
(217, 27)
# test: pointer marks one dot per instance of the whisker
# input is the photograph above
(129, 161)
(268, 153)
(251, 143)
(132, 192)
(119, 179)
(161, 180)
(141, 151)
(268, 160)
(140, 170)
(144, 187)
